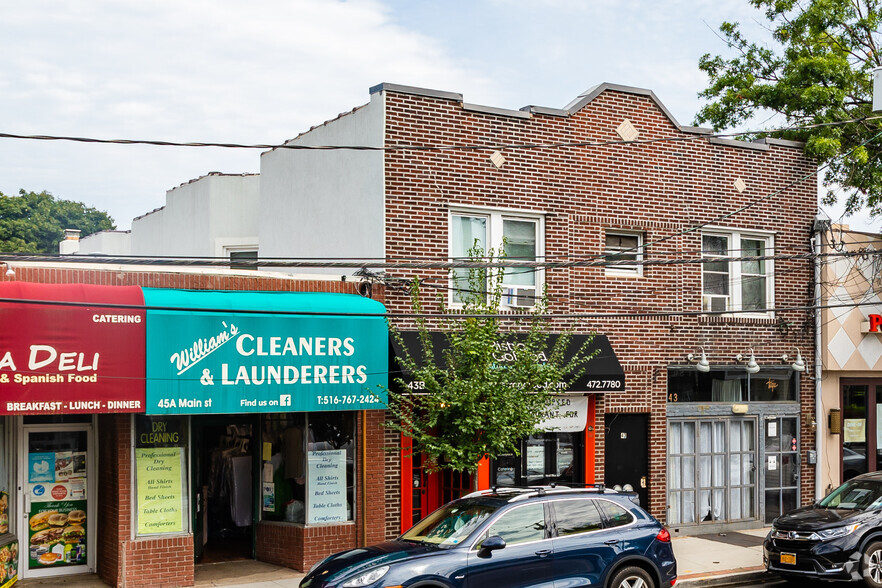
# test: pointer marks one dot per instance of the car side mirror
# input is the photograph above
(491, 544)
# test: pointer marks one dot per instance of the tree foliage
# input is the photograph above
(470, 404)
(32, 222)
(817, 71)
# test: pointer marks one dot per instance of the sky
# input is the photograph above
(266, 70)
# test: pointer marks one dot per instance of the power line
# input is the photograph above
(598, 260)
(417, 147)
(516, 316)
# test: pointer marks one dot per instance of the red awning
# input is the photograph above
(65, 348)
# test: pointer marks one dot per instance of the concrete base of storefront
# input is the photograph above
(250, 573)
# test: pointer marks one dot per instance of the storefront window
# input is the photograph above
(8, 541)
(161, 474)
(543, 459)
(308, 474)
(732, 385)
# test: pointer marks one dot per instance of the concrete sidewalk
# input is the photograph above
(720, 559)
(702, 561)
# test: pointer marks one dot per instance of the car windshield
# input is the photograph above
(855, 494)
(450, 525)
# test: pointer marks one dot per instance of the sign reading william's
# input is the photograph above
(271, 352)
(71, 348)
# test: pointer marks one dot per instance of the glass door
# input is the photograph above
(57, 531)
(781, 467)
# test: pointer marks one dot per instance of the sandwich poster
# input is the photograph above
(57, 519)
(57, 530)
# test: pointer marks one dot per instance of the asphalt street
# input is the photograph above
(804, 584)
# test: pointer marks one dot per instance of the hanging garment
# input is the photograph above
(240, 491)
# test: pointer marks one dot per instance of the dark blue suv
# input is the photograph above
(515, 537)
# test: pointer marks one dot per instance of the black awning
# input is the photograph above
(602, 374)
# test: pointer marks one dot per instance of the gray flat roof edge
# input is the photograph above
(387, 87)
(495, 110)
(784, 142)
(737, 143)
(697, 130)
(545, 110)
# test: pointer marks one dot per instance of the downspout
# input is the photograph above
(818, 228)
(363, 460)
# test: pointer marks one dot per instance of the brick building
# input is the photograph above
(687, 255)
(714, 443)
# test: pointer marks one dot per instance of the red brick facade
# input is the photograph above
(666, 188)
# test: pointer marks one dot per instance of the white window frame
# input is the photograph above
(625, 270)
(495, 219)
(735, 237)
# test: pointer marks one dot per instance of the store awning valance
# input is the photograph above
(603, 372)
(78, 348)
(233, 352)
(71, 348)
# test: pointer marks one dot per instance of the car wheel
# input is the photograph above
(871, 564)
(635, 577)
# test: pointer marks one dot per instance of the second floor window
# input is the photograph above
(736, 284)
(518, 237)
(627, 250)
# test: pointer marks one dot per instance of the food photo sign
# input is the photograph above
(57, 517)
(8, 562)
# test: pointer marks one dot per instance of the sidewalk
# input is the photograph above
(720, 559)
(702, 561)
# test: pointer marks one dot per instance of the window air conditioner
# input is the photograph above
(521, 296)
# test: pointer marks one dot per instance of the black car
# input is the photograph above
(838, 538)
(515, 538)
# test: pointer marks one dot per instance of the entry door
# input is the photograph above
(57, 483)
(627, 453)
(781, 467)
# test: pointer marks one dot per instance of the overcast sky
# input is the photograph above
(266, 70)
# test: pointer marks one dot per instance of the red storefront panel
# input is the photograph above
(71, 348)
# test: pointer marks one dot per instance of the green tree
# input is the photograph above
(34, 222)
(469, 405)
(816, 71)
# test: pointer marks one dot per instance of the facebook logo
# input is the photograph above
(285, 400)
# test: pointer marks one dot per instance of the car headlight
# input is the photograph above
(836, 532)
(367, 578)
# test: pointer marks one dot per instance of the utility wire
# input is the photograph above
(516, 316)
(415, 147)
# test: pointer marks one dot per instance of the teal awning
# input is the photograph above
(230, 352)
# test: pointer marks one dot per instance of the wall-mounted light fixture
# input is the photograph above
(798, 365)
(701, 363)
(752, 366)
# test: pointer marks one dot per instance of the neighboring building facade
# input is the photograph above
(116, 458)
(850, 412)
(215, 215)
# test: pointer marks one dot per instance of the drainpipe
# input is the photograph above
(818, 230)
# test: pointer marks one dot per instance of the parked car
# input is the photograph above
(513, 538)
(837, 538)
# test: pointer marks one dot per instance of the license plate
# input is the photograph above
(788, 558)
